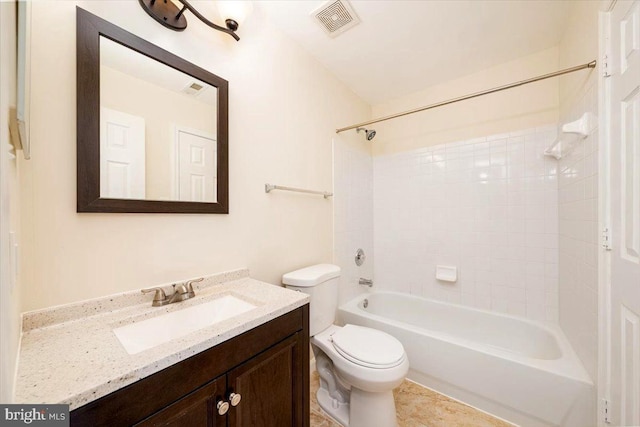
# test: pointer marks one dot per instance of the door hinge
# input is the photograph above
(605, 411)
(606, 239)
(605, 66)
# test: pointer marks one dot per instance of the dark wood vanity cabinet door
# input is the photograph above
(271, 387)
(197, 409)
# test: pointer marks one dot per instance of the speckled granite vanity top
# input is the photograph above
(69, 354)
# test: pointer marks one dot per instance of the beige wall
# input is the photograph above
(9, 205)
(162, 109)
(515, 109)
(284, 107)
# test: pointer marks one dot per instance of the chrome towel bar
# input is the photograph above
(270, 187)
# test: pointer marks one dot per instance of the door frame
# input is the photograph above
(604, 215)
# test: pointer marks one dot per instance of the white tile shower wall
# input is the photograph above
(353, 214)
(578, 238)
(487, 206)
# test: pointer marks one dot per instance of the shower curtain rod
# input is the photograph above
(591, 64)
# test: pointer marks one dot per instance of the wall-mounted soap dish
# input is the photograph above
(571, 133)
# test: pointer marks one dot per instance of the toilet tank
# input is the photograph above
(320, 282)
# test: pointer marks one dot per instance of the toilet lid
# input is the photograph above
(368, 347)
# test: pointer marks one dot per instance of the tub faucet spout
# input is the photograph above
(365, 282)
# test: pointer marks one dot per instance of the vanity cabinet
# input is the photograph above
(268, 367)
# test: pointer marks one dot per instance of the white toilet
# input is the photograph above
(358, 366)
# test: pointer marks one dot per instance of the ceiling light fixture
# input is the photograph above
(171, 16)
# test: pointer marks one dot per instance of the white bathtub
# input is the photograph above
(523, 371)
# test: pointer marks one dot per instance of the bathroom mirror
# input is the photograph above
(152, 128)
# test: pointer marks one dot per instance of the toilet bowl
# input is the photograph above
(367, 362)
(365, 358)
(358, 366)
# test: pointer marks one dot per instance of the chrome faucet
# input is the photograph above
(181, 292)
(365, 282)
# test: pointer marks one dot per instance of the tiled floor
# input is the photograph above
(418, 406)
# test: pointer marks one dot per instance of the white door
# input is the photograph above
(625, 214)
(196, 166)
(122, 155)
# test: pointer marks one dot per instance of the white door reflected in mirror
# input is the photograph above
(195, 165)
(122, 169)
(158, 128)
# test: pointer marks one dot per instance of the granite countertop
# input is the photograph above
(69, 354)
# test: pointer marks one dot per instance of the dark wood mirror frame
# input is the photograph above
(89, 28)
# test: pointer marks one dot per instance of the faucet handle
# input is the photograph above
(190, 283)
(159, 294)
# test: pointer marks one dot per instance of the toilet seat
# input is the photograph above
(368, 347)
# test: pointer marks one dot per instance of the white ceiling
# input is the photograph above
(402, 46)
(130, 62)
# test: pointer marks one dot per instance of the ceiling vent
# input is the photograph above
(194, 89)
(336, 17)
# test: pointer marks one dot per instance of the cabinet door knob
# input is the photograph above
(223, 407)
(235, 398)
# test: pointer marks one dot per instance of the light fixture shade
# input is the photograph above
(235, 10)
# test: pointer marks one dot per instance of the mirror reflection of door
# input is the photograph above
(195, 166)
(166, 100)
(122, 155)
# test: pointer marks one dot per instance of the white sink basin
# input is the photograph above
(148, 333)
